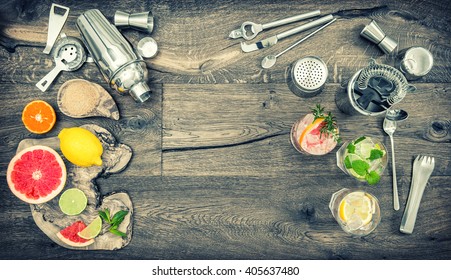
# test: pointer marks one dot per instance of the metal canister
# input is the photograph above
(307, 76)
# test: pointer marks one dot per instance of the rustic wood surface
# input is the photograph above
(214, 175)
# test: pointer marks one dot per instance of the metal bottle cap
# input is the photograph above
(147, 47)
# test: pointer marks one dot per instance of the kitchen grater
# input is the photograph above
(307, 76)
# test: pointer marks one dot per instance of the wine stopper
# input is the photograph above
(139, 21)
(374, 33)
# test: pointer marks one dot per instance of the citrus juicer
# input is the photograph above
(69, 55)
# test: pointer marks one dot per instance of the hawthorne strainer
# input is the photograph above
(69, 55)
(385, 81)
(307, 76)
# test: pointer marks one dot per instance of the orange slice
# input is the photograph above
(309, 128)
(38, 117)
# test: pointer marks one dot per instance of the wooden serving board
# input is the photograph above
(115, 157)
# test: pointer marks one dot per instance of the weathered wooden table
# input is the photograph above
(214, 175)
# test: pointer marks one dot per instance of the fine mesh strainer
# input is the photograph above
(307, 76)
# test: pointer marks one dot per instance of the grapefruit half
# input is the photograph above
(69, 235)
(36, 174)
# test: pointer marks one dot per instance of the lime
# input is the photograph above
(80, 146)
(92, 230)
(73, 201)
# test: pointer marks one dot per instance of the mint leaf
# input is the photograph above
(375, 154)
(118, 217)
(372, 178)
(350, 148)
(117, 232)
(347, 162)
(360, 167)
(105, 216)
(359, 140)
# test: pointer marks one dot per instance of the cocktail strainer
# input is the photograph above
(69, 55)
(384, 80)
(307, 76)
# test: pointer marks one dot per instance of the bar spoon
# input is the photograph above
(391, 117)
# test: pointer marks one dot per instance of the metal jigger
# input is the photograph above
(375, 34)
(139, 21)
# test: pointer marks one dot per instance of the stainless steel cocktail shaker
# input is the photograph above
(120, 65)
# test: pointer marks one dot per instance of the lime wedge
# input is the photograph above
(92, 230)
(73, 201)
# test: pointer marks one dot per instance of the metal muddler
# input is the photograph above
(120, 65)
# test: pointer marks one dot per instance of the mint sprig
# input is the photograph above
(114, 221)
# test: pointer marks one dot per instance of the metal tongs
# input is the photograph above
(422, 170)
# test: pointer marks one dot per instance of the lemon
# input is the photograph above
(356, 207)
(80, 146)
(92, 230)
(73, 201)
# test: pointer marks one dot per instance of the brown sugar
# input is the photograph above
(79, 97)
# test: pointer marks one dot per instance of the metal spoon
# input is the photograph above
(269, 60)
(391, 117)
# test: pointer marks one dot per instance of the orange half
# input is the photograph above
(38, 117)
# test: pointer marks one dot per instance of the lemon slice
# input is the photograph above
(92, 230)
(73, 201)
(355, 210)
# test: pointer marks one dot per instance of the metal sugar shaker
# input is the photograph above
(307, 76)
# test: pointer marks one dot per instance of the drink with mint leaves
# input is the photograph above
(363, 158)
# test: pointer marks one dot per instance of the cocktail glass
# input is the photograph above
(307, 138)
(363, 158)
(356, 211)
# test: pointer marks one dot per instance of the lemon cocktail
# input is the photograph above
(357, 212)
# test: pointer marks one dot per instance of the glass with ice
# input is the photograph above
(363, 158)
(315, 133)
(357, 212)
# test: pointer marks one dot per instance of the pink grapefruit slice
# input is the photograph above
(69, 235)
(36, 174)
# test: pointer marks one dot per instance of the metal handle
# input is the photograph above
(48, 79)
(291, 19)
(395, 183)
(306, 37)
(410, 213)
(306, 26)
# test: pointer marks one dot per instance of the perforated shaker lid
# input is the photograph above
(309, 73)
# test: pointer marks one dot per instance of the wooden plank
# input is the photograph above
(244, 130)
(253, 218)
(202, 53)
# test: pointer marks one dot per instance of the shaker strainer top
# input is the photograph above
(71, 50)
(309, 73)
